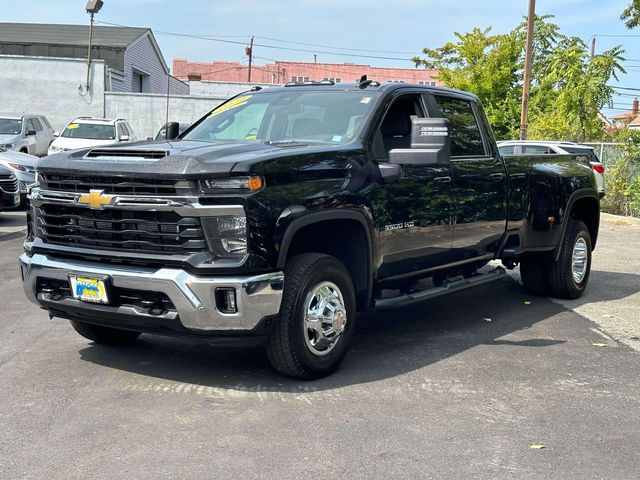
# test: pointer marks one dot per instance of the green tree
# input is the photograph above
(568, 89)
(631, 14)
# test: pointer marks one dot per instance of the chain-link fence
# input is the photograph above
(608, 153)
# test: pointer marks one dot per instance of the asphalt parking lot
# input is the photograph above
(490, 383)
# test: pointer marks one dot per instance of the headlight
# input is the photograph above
(6, 146)
(226, 236)
(217, 185)
(22, 168)
(53, 148)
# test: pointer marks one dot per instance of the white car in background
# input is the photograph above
(23, 167)
(531, 147)
(86, 132)
(25, 133)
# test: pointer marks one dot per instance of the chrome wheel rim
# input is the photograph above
(579, 260)
(325, 318)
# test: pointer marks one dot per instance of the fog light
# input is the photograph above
(226, 300)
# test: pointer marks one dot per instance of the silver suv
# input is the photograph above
(25, 133)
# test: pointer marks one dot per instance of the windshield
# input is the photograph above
(90, 131)
(333, 117)
(10, 126)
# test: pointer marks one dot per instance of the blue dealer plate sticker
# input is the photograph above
(88, 289)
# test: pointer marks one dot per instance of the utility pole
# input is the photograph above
(593, 45)
(249, 51)
(315, 58)
(524, 116)
(93, 7)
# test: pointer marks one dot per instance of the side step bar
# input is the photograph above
(447, 288)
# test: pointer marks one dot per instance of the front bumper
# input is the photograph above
(257, 297)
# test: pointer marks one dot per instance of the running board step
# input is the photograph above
(447, 288)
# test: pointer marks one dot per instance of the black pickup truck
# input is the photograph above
(284, 212)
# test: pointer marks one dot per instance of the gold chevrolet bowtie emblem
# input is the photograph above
(96, 199)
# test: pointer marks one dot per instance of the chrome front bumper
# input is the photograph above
(193, 296)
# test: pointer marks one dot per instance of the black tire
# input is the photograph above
(286, 345)
(534, 275)
(561, 281)
(105, 335)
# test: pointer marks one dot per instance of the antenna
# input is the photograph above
(168, 88)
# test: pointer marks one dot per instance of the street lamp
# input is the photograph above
(93, 7)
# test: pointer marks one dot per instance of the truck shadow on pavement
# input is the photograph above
(386, 345)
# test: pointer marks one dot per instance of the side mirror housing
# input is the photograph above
(173, 130)
(124, 138)
(430, 143)
(30, 133)
(56, 134)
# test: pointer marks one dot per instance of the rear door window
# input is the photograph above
(36, 124)
(466, 136)
(536, 150)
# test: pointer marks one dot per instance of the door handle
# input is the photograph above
(442, 179)
(496, 176)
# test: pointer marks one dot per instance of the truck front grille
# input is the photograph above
(112, 185)
(155, 232)
(8, 183)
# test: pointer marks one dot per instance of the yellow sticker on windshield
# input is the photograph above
(236, 102)
(72, 126)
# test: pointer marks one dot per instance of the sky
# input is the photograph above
(400, 26)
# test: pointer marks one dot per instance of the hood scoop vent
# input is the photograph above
(126, 155)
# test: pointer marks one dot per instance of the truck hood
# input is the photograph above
(179, 159)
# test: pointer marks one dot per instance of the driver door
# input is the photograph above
(415, 213)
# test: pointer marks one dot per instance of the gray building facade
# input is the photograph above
(134, 62)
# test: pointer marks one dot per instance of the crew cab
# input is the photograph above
(283, 213)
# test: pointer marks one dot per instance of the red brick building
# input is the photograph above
(283, 72)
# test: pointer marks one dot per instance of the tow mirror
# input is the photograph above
(173, 130)
(430, 143)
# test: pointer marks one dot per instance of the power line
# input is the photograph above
(623, 35)
(274, 47)
(336, 48)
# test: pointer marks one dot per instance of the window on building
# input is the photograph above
(295, 79)
(140, 82)
(427, 83)
(332, 79)
(466, 139)
(395, 81)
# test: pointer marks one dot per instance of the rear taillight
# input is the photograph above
(598, 168)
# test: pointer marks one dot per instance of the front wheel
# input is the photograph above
(106, 335)
(317, 317)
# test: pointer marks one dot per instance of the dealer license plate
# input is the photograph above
(89, 289)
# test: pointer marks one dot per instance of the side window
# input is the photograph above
(395, 130)
(46, 122)
(536, 150)
(29, 126)
(510, 150)
(36, 124)
(466, 138)
(120, 130)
